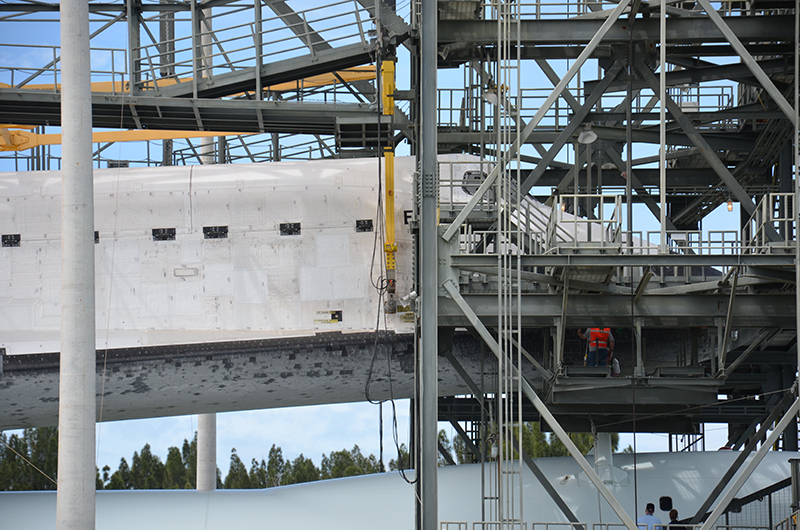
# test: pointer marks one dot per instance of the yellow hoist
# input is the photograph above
(390, 245)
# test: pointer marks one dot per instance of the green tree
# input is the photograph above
(462, 454)
(147, 470)
(121, 478)
(444, 444)
(258, 474)
(237, 477)
(19, 455)
(276, 467)
(302, 470)
(402, 461)
(43, 450)
(189, 457)
(534, 441)
(346, 463)
(174, 470)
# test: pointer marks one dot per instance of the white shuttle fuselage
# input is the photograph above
(207, 253)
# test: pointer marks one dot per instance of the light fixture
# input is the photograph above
(587, 135)
(563, 207)
(730, 204)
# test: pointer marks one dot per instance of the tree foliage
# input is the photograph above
(39, 447)
(29, 462)
(346, 463)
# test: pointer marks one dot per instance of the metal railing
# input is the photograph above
(460, 107)
(548, 9)
(570, 231)
(243, 36)
(786, 524)
(775, 211)
(109, 69)
(790, 523)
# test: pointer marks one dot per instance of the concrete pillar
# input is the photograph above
(207, 452)
(75, 505)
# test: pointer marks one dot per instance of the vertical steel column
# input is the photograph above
(662, 128)
(206, 452)
(207, 147)
(259, 50)
(75, 508)
(638, 370)
(134, 59)
(794, 473)
(428, 384)
(796, 213)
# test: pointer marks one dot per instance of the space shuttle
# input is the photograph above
(263, 285)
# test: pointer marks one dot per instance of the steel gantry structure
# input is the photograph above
(593, 146)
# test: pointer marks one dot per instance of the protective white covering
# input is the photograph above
(386, 501)
(255, 283)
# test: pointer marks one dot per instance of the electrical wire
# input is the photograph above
(381, 284)
(29, 462)
(110, 290)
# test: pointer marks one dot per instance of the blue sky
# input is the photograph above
(307, 430)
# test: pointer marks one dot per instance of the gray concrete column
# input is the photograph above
(75, 508)
(206, 452)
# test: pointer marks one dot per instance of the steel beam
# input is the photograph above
(567, 133)
(751, 466)
(464, 436)
(543, 109)
(543, 480)
(693, 310)
(723, 350)
(113, 111)
(766, 425)
(705, 74)
(452, 291)
(774, 28)
(427, 385)
(706, 150)
(751, 63)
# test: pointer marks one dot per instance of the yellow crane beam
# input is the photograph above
(17, 140)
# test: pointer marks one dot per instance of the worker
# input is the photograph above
(601, 345)
(648, 520)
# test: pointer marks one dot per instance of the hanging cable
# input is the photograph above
(382, 283)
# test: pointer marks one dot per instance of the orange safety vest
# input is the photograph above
(599, 337)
